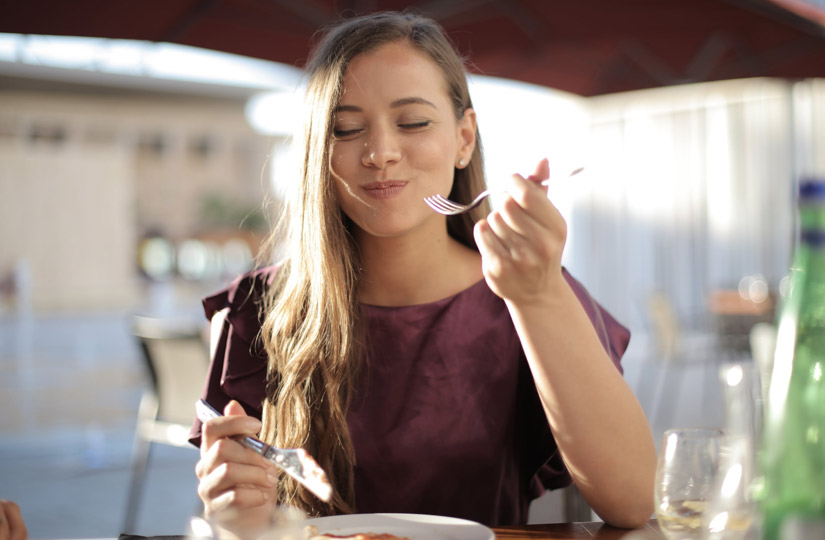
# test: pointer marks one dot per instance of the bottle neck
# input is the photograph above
(812, 224)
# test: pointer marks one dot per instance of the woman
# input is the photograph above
(430, 364)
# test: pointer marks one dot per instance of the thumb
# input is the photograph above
(233, 408)
(542, 172)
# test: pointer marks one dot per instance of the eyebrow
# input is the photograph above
(397, 103)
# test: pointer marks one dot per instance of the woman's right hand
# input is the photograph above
(237, 485)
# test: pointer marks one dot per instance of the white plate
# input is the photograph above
(412, 526)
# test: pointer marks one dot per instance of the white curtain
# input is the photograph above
(690, 189)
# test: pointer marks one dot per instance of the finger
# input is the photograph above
(16, 524)
(5, 533)
(520, 248)
(490, 244)
(230, 451)
(531, 241)
(229, 476)
(541, 173)
(12, 526)
(228, 503)
(506, 235)
(233, 408)
(533, 200)
(519, 221)
(493, 252)
(526, 193)
(232, 425)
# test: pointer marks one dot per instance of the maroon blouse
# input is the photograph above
(446, 418)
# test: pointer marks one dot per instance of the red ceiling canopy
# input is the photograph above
(587, 47)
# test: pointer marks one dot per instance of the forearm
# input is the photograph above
(600, 429)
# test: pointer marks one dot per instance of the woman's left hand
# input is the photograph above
(11, 522)
(521, 243)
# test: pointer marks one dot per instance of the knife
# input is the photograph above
(296, 462)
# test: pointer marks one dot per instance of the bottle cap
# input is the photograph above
(812, 188)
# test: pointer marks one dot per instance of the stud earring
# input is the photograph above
(460, 162)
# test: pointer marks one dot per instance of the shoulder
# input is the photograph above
(241, 301)
(246, 289)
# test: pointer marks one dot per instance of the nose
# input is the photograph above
(381, 149)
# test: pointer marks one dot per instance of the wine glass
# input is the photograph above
(731, 513)
(685, 475)
(285, 523)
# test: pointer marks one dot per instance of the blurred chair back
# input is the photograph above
(176, 356)
(177, 359)
(762, 339)
(676, 349)
(665, 323)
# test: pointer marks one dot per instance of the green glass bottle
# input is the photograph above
(792, 453)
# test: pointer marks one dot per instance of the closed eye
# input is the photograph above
(345, 133)
(415, 125)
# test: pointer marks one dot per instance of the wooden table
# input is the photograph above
(566, 531)
(550, 531)
(734, 316)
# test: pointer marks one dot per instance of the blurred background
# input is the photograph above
(144, 148)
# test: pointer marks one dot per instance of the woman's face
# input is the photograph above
(396, 140)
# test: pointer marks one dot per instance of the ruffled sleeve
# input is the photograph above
(613, 335)
(238, 365)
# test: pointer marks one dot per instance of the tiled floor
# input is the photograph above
(69, 399)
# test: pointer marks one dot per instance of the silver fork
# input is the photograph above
(445, 206)
(296, 462)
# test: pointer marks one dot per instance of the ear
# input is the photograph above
(466, 136)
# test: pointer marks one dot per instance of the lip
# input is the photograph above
(384, 189)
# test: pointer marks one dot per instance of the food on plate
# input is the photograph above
(312, 533)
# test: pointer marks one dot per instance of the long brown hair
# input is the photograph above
(312, 329)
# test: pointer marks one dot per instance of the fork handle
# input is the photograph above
(206, 412)
(574, 172)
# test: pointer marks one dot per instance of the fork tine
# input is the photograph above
(441, 205)
(447, 204)
(454, 205)
(432, 203)
(434, 206)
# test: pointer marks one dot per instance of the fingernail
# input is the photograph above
(273, 479)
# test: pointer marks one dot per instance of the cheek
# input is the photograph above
(434, 153)
(344, 167)
(338, 157)
(339, 172)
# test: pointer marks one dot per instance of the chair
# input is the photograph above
(676, 348)
(176, 356)
(762, 337)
